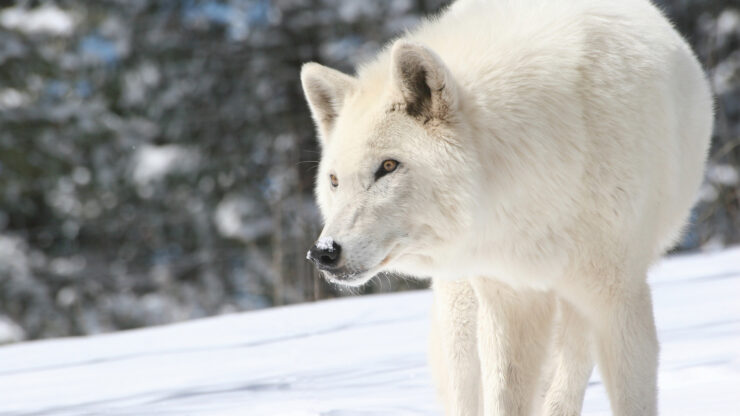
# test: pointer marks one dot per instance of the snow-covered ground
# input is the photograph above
(359, 356)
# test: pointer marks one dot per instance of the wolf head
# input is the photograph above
(394, 172)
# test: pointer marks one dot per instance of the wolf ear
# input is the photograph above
(325, 90)
(426, 85)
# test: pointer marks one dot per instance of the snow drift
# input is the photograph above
(355, 356)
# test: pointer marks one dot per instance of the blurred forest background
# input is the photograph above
(157, 157)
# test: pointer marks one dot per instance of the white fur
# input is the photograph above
(549, 152)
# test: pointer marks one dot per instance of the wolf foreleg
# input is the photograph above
(513, 335)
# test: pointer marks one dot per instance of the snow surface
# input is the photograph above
(351, 357)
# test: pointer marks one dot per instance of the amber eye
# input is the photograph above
(388, 166)
(334, 180)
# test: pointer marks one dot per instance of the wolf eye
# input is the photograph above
(334, 180)
(388, 166)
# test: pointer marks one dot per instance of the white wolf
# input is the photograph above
(533, 157)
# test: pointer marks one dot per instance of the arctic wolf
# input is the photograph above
(533, 158)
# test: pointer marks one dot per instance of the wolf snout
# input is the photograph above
(325, 253)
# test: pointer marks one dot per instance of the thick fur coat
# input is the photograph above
(532, 157)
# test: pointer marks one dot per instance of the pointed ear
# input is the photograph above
(427, 87)
(325, 90)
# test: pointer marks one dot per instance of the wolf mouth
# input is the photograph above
(344, 277)
(393, 252)
(353, 277)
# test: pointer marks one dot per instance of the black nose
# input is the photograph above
(325, 254)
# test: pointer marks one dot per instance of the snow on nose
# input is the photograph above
(325, 253)
(325, 243)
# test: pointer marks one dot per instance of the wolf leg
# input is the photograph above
(513, 334)
(620, 313)
(453, 353)
(573, 363)
(627, 353)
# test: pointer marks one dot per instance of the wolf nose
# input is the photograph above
(325, 253)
